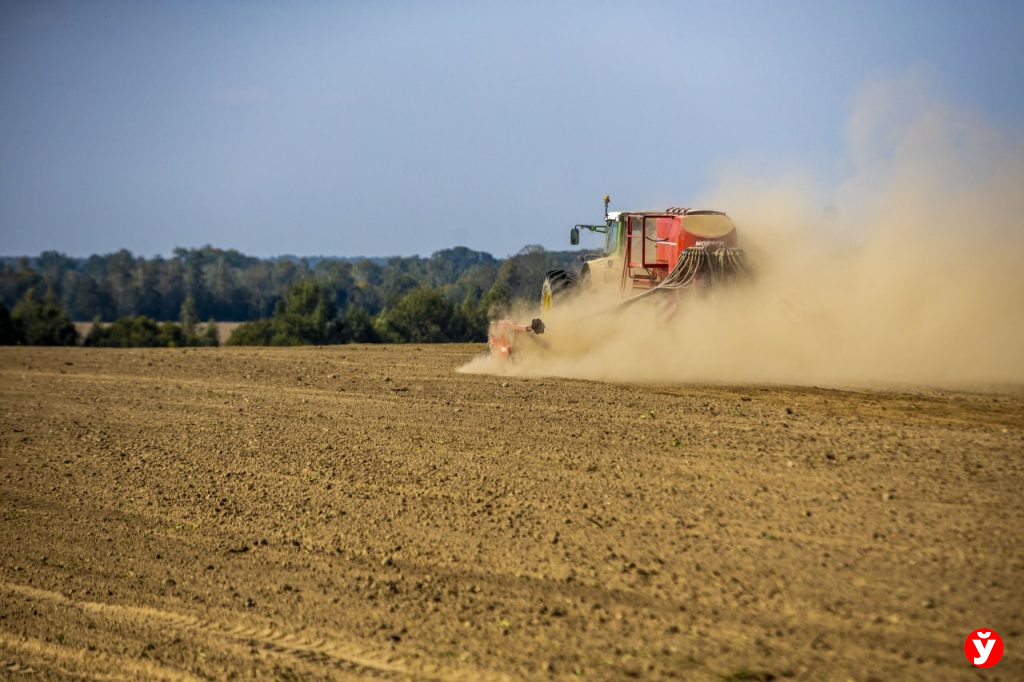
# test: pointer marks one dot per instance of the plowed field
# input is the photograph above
(369, 512)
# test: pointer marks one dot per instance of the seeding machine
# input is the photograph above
(669, 254)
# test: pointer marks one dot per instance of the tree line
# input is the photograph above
(41, 321)
(448, 296)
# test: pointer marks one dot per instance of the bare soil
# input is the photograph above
(369, 512)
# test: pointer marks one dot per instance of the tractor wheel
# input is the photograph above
(557, 284)
(583, 281)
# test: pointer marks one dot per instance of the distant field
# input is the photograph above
(224, 329)
(352, 511)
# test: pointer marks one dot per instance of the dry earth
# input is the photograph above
(367, 511)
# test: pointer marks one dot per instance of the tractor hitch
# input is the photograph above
(501, 333)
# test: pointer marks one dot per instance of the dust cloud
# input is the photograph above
(910, 271)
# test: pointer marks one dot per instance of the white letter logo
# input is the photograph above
(983, 651)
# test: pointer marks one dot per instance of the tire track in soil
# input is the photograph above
(43, 656)
(542, 528)
(317, 652)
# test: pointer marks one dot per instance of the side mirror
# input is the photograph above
(574, 236)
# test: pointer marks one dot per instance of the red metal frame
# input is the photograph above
(656, 269)
(672, 240)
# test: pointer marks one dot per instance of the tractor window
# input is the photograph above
(636, 241)
(650, 241)
(611, 238)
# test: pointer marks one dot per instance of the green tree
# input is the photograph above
(469, 321)
(307, 315)
(210, 335)
(8, 334)
(423, 315)
(187, 316)
(357, 327)
(40, 321)
(336, 276)
(398, 280)
(255, 333)
(87, 299)
(227, 285)
(365, 271)
(121, 282)
(173, 336)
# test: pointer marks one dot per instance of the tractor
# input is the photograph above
(668, 253)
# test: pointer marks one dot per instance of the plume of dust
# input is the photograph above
(918, 277)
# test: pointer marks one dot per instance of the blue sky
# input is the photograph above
(380, 128)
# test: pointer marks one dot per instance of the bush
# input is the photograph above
(307, 315)
(210, 335)
(357, 327)
(255, 333)
(423, 315)
(130, 332)
(173, 336)
(39, 321)
(142, 332)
